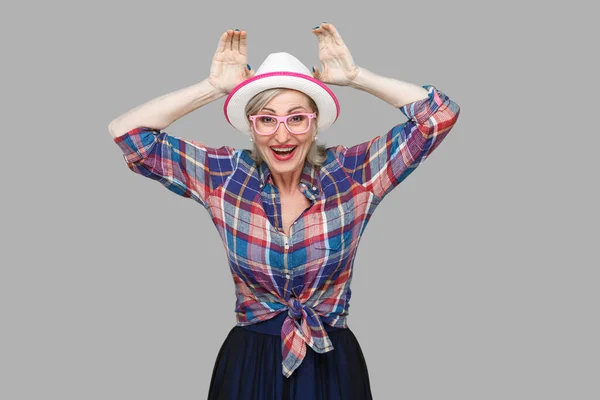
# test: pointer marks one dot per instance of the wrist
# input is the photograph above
(214, 90)
(358, 81)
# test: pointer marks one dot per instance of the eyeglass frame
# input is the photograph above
(283, 119)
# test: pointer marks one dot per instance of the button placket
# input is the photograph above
(286, 246)
(286, 271)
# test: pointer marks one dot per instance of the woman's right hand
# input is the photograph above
(230, 62)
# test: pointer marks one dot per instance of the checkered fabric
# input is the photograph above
(306, 273)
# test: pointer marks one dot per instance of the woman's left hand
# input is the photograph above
(338, 65)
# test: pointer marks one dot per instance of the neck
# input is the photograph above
(287, 183)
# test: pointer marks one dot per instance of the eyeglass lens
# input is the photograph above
(295, 123)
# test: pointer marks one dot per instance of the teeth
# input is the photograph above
(286, 150)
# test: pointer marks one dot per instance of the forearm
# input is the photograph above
(395, 92)
(162, 111)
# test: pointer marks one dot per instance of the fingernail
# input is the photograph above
(313, 69)
(316, 27)
(237, 30)
(248, 66)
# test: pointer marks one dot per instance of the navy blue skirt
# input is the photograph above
(248, 367)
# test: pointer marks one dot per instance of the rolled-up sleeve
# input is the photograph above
(186, 168)
(383, 162)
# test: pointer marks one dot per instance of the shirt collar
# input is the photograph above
(309, 176)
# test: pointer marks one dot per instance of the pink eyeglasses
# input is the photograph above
(295, 123)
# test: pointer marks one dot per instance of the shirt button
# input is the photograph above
(287, 276)
(314, 188)
(261, 185)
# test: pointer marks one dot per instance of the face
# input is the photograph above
(288, 102)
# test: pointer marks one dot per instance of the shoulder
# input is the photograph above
(244, 160)
(245, 155)
(334, 153)
(334, 150)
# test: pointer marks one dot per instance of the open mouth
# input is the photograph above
(283, 153)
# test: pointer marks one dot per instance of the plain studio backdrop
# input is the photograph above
(476, 278)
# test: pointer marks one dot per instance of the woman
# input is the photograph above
(290, 212)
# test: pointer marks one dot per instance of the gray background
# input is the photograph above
(476, 279)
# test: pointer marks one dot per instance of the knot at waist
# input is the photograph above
(294, 308)
(301, 327)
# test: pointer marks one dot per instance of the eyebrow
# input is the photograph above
(289, 111)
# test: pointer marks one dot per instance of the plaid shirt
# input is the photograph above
(308, 272)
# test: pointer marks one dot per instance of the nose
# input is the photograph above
(282, 134)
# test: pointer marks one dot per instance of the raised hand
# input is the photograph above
(230, 62)
(338, 65)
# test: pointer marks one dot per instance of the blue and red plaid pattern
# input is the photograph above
(308, 272)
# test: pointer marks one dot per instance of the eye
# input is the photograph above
(266, 120)
(298, 118)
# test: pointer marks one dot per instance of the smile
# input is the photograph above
(283, 153)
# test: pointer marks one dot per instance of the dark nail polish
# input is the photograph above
(313, 69)
(237, 30)
(316, 27)
(248, 66)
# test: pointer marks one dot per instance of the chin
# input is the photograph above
(283, 167)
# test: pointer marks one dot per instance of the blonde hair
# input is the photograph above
(316, 154)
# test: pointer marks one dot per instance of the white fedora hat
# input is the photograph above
(281, 70)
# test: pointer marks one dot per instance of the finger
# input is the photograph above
(222, 43)
(316, 73)
(334, 34)
(235, 43)
(229, 44)
(243, 46)
(318, 31)
(327, 36)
